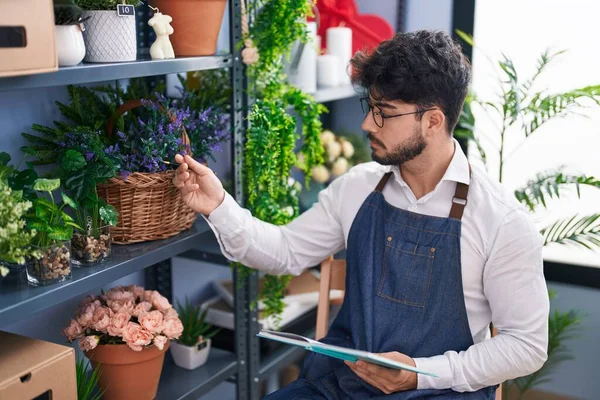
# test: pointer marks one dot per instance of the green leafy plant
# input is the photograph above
(270, 193)
(51, 223)
(104, 5)
(195, 328)
(66, 12)
(82, 163)
(519, 107)
(16, 179)
(207, 89)
(87, 383)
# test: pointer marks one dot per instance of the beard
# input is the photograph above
(403, 152)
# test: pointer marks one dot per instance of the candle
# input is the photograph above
(305, 77)
(328, 71)
(339, 43)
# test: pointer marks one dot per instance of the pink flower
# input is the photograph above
(141, 308)
(152, 321)
(101, 319)
(118, 322)
(138, 292)
(88, 343)
(148, 295)
(87, 301)
(171, 313)
(117, 306)
(173, 328)
(86, 316)
(73, 331)
(160, 341)
(160, 302)
(136, 337)
(119, 294)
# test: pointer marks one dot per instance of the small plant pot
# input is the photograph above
(91, 249)
(190, 357)
(54, 265)
(16, 276)
(70, 47)
(109, 37)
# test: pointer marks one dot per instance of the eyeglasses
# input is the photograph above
(378, 115)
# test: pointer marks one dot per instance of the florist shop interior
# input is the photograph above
(299, 199)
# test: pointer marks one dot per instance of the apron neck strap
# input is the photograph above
(459, 201)
(383, 181)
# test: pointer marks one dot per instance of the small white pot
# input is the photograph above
(70, 47)
(190, 357)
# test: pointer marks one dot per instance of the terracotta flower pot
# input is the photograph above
(128, 374)
(196, 25)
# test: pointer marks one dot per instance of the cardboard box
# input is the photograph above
(27, 43)
(34, 369)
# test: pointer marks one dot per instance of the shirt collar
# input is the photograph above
(457, 171)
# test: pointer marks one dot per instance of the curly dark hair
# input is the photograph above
(425, 68)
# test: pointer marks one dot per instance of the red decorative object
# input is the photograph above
(368, 30)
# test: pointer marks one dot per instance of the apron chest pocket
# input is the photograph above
(406, 274)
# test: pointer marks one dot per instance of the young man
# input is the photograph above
(436, 250)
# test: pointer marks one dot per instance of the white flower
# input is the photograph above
(347, 149)
(320, 174)
(289, 210)
(3, 270)
(334, 150)
(340, 167)
(327, 137)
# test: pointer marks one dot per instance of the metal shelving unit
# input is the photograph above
(180, 384)
(90, 73)
(19, 302)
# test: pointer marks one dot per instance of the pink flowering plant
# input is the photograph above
(125, 315)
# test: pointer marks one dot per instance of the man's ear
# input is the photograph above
(436, 121)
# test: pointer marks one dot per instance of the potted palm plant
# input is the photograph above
(191, 350)
(521, 109)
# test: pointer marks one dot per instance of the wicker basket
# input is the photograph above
(149, 206)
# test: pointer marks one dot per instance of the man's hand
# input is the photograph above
(202, 191)
(385, 379)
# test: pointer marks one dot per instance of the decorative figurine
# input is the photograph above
(161, 48)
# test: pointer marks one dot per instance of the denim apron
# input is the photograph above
(403, 293)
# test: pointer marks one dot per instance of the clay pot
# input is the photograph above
(126, 374)
(196, 25)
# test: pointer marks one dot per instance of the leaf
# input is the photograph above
(73, 161)
(24, 178)
(109, 215)
(43, 212)
(28, 150)
(582, 231)
(61, 233)
(39, 226)
(46, 185)
(69, 201)
(4, 158)
(549, 184)
(468, 39)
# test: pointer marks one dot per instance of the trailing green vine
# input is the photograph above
(271, 139)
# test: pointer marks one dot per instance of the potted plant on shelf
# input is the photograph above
(125, 333)
(68, 26)
(15, 241)
(191, 350)
(109, 37)
(82, 163)
(196, 25)
(54, 229)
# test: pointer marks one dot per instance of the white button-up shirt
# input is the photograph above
(501, 258)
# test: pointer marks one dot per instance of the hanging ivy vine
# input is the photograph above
(269, 154)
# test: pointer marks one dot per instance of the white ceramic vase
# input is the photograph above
(109, 37)
(70, 47)
(190, 357)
